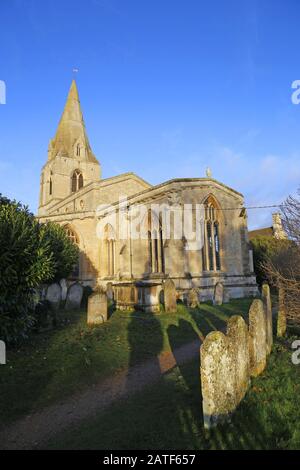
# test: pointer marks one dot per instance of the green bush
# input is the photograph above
(25, 262)
(30, 254)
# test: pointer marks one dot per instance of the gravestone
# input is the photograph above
(281, 319)
(74, 296)
(170, 296)
(257, 338)
(217, 379)
(218, 294)
(53, 295)
(36, 296)
(266, 298)
(64, 289)
(193, 298)
(226, 296)
(97, 308)
(109, 291)
(238, 336)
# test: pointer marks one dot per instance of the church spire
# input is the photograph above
(71, 138)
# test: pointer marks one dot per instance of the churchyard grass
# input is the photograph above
(168, 414)
(52, 365)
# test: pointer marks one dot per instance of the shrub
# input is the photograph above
(30, 254)
(63, 251)
(25, 261)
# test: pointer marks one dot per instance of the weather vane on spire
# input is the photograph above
(75, 71)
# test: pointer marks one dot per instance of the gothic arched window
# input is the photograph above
(155, 244)
(76, 181)
(211, 249)
(110, 249)
(50, 184)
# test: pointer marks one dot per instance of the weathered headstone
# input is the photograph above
(64, 289)
(281, 319)
(97, 308)
(109, 291)
(217, 379)
(53, 295)
(257, 338)
(266, 298)
(36, 296)
(226, 296)
(238, 336)
(74, 296)
(170, 296)
(218, 294)
(193, 298)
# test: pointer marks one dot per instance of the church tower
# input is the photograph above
(71, 163)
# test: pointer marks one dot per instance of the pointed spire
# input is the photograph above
(71, 139)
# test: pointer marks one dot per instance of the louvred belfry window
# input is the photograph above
(76, 181)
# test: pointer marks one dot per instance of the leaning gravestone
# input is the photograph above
(53, 295)
(97, 308)
(193, 298)
(218, 294)
(266, 298)
(74, 297)
(281, 319)
(238, 336)
(170, 296)
(217, 379)
(64, 289)
(257, 338)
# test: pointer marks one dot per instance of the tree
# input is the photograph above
(283, 268)
(265, 248)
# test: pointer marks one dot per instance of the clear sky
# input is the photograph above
(167, 87)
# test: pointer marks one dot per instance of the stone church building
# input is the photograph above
(71, 190)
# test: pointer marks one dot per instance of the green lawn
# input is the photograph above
(168, 414)
(55, 364)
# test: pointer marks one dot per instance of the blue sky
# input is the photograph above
(167, 87)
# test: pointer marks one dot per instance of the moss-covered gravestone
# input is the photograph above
(266, 298)
(238, 336)
(281, 319)
(257, 338)
(193, 298)
(217, 379)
